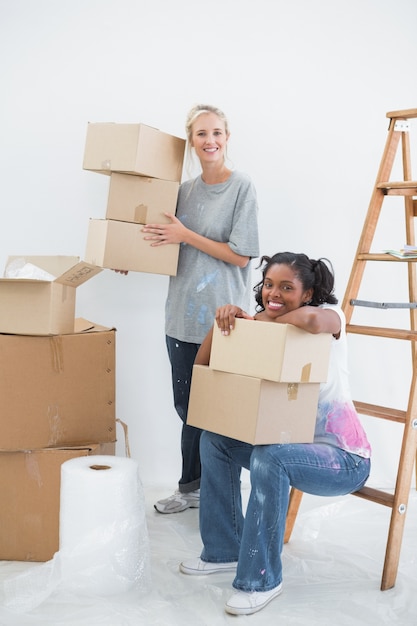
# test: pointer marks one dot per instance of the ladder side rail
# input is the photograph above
(402, 490)
(293, 506)
(409, 205)
(368, 231)
(410, 214)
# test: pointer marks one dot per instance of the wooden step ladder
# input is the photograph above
(398, 133)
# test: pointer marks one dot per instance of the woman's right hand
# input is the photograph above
(225, 317)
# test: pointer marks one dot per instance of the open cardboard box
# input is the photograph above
(251, 409)
(133, 149)
(33, 306)
(278, 352)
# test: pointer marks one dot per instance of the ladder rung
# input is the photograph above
(384, 412)
(375, 495)
(376, 331)
(381, 256)
(401, 188)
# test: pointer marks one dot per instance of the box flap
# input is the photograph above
(78, 274)
(82, 325)
(54, 265)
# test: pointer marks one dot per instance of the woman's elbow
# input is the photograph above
(242, 261)
(315, 325)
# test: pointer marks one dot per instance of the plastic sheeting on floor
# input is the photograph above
(332, 574)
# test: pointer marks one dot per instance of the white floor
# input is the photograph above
(332, 573)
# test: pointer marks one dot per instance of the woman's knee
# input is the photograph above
(263, 457)
(207, 440)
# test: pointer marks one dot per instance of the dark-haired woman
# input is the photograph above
(294, 290)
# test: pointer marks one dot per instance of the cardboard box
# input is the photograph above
(278, 352)
(30, 496)
(29, 306)
(133, 149)
(57, 390)
(141, 199)
(121, 246)
(251, 409)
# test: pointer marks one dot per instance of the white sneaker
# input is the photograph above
(197, 567)
(179, 502)
(248, 602)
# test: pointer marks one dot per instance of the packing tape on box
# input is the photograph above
(292, 391)
(306, 373)
(103, 545)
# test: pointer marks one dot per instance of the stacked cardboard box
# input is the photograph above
(262, 383)
(30, 495)
(145, 167)
(43, 303)
(58, 402)
(57, 374)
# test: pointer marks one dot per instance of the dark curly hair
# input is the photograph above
(317, 275)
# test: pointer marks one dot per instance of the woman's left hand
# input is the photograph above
(161, 234)
(226, 315)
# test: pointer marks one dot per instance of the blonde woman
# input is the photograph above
(216, 225)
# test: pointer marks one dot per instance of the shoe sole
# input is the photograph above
(190, 506)
(202, 572)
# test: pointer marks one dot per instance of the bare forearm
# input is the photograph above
(312, 319)
(176, 232)
(216, 249)
(203, 354)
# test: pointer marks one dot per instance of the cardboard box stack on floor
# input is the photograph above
(262, 383)
(57, 385)
(145, 167)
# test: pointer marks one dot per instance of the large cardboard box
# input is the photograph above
(133, 149)
(251, 409)
(278, 352)
(30, 496)
(121, 246)
(141, 199)
(57, 390)
(32, 306)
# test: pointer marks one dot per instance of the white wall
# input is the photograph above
(306, 85)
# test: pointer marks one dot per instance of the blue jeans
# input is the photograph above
(256, 541)
(182, 355)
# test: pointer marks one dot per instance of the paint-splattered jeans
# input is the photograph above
(256, 541)
(181, 355)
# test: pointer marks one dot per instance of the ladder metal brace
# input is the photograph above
(402, 125)
(385, 305)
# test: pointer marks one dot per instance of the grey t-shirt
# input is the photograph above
(225, 212)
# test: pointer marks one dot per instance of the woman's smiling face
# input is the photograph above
(209, 138)
(282, 291)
